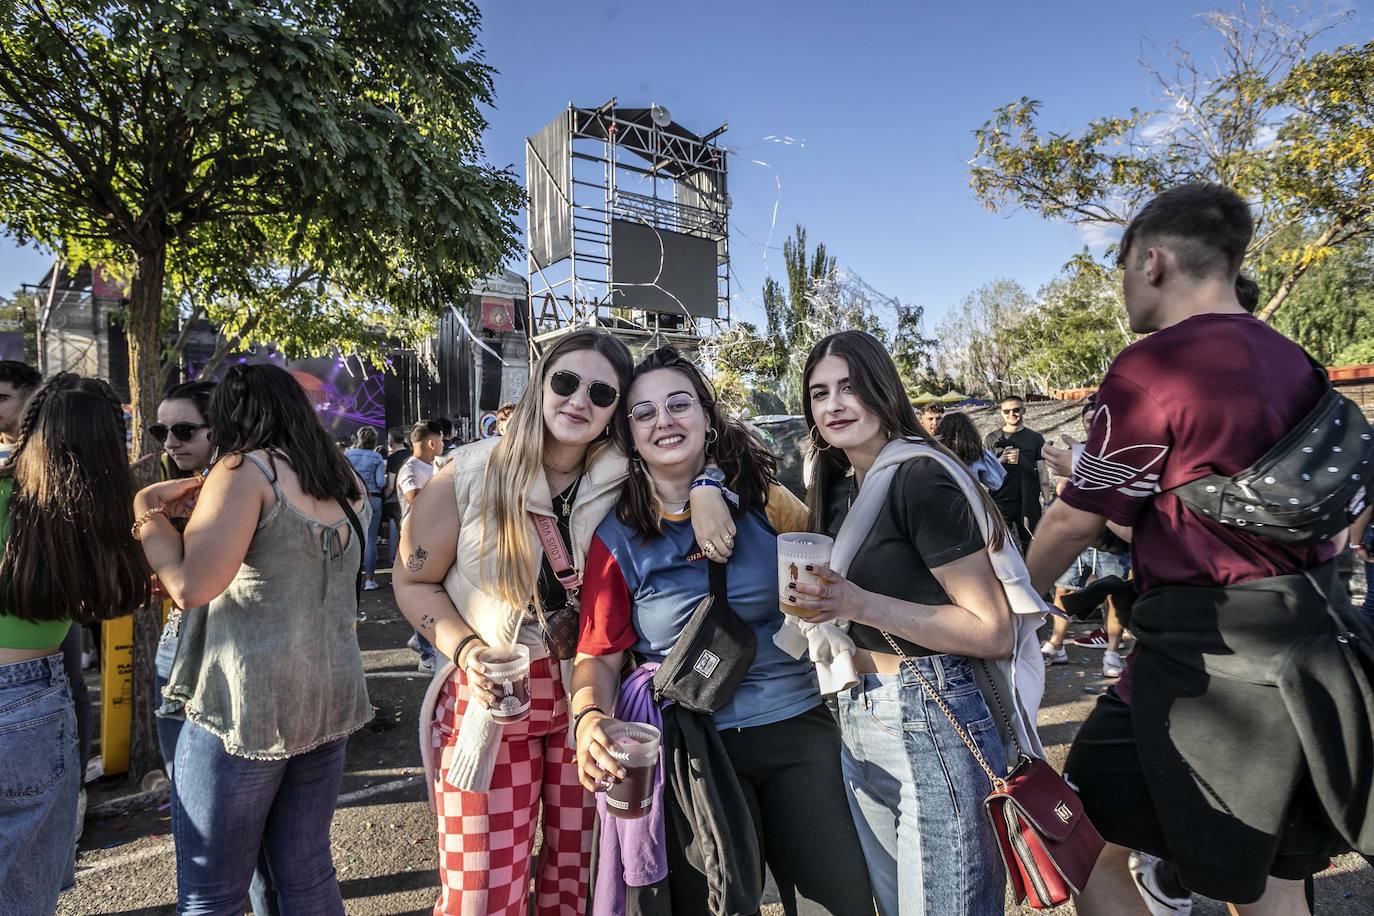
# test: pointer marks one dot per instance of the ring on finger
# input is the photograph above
(728, 540)
(709, 549)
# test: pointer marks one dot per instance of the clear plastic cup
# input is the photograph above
(796, 551)
(634, 745)
(508, 667)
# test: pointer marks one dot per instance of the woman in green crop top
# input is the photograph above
(65, 515)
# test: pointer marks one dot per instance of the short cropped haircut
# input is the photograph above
(426, 428)
(1207, 227)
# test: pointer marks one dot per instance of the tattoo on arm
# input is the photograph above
(416, 559)
(427, 623)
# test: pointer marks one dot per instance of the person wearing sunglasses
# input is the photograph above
(1027, 483)
(645, 575)
(474, 572)
(184, 434)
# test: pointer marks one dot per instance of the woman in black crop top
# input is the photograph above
(921, 583)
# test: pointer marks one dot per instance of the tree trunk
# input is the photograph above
(143, 331)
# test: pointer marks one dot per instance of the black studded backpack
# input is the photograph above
(1305, 489)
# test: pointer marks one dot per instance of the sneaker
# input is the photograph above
(1111, 664)
(1054, 656)
(426, 664)
(1097, 639)
(413, 643)
(1144, 868)
(370, 585)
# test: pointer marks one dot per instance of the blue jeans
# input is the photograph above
(234, 814)
(262, 897)
(916, 793)
(374, 528)
(39, 781)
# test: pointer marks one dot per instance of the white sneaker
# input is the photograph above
(1111, 664)
(1143, 866)
(413, 643)
(370, 585)
(426, 665)
(1054, 656)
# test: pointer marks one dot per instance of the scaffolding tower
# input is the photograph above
(628, 228)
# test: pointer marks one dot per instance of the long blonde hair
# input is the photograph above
(516, 463)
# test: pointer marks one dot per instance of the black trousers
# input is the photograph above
(790, 773)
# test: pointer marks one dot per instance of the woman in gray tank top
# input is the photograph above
(272, 547)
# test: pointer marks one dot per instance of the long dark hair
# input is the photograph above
(874, 379)
(957, 433)
(70, 554)
(750, 469)
(198, 393)
(264, 407)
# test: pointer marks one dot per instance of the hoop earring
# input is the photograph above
(711, 436)
(820, 448)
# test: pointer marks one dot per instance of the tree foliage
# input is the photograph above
(979, 341)
(331, 145)
(1290, 129)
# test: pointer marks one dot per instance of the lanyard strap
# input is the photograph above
(563, 569)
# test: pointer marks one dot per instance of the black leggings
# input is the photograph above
(790, 773)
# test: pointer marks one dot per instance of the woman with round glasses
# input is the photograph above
(474, 572)
(645, 577)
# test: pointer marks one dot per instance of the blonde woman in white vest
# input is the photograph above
(472, 573)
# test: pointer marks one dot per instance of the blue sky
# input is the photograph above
(883, 97)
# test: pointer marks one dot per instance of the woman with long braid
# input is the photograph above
(68, 555)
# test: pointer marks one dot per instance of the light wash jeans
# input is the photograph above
(916, 792)
(40, 779)
(374, 528)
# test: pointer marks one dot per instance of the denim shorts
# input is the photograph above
(1093, 563)
(39, 783)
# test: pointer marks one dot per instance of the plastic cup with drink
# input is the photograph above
(633, 745)
(796, 551)
(508, 668)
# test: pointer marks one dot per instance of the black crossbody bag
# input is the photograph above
(1307, 488)
(360, 533)
(712, 654)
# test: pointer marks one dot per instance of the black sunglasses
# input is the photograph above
(564, 384)
(182, 431)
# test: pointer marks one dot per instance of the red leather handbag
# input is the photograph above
(1048, 845)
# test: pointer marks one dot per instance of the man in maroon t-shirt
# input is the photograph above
(1209, 391)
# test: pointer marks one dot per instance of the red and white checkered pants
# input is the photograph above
(486, 839)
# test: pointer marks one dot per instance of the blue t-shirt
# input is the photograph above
(639, 594)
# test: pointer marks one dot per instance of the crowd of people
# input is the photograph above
(867, 701)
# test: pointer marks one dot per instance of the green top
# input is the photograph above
(16, 633)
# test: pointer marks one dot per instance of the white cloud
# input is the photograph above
(1099, 235)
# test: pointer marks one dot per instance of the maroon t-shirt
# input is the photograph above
(1208, 395)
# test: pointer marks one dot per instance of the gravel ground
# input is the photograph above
(383, 835)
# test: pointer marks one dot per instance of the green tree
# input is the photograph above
(339, 137)
(980, 342)
(1289, 129)
(1333, 309)
(1075, 330)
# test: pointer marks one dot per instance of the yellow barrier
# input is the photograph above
(117, 690)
